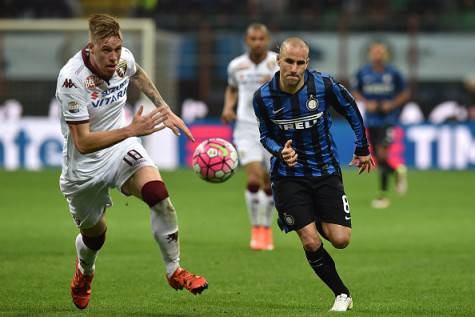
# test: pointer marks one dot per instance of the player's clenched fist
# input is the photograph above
(288, 154)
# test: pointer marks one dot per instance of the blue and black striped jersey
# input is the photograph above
(304, 118)
(380, 86)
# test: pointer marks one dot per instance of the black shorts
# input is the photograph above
(303, 200)
(381, 136)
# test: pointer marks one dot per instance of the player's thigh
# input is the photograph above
(246, 138)
(293, 202)
(338, 235)
(133, 168)
(142, 176)
(254, 172)
(332, 205)
(87, 207)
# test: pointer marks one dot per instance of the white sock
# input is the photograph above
(86, 256)
(164, 225)
(267, 209)
(252, 203)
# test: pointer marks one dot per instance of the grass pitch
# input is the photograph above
(415, 258)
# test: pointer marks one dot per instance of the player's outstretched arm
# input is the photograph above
(145, 84)
(88, 142)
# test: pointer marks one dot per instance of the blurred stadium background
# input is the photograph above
(186, 46)
(415, 259)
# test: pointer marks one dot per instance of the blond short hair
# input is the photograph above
(103, 26)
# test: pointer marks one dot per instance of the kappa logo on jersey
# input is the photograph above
(68, 83)
(121, 68)
(298, 123)
(73, 106)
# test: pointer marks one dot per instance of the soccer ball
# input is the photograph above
(215, 160)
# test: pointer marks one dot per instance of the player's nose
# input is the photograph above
(114, 57)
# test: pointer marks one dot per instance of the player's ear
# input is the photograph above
(278, 59)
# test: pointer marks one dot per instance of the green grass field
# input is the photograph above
(414, 259)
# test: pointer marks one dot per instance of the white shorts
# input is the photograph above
(247, 141)
(88, 199)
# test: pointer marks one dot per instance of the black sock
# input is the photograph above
(384, 180)
(324, 266)
(385, 171)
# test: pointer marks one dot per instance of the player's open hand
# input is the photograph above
(288, 154)
(147, 124)
(174, 123)
(363, 163)
(228, 116)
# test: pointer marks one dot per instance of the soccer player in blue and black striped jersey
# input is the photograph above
(294, 124)
(382, 90)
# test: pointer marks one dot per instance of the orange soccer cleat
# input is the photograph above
(81, 288)
(181, 278)
(266, 236)
(256, 241)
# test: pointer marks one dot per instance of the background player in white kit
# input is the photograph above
(246, 73)
(101, 151)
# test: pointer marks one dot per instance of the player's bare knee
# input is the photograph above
(340, 241)
(154, 192)
(311, 243)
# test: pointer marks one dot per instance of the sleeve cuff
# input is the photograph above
(362, 151)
